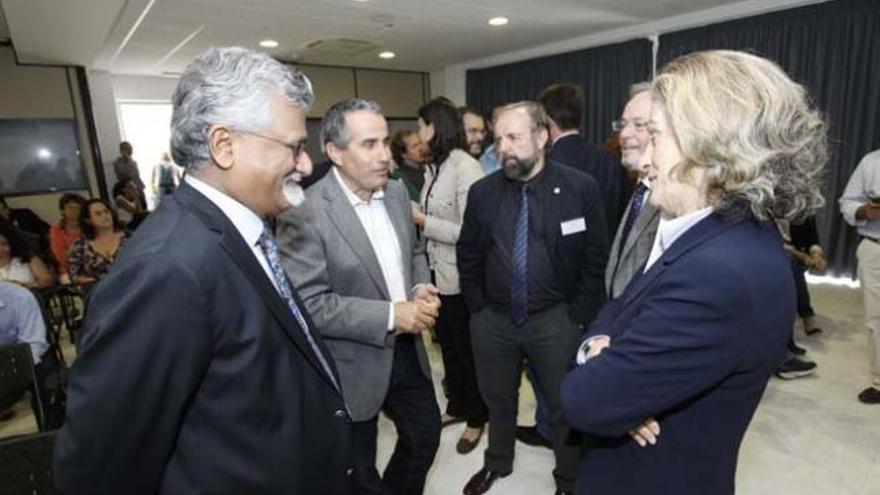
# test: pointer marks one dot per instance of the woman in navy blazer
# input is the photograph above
(670, 373)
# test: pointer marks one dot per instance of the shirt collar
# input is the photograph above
(352, 197)
(669, 230)
(567, 133)
(248, 223)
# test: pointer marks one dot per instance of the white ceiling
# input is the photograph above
(156, 36)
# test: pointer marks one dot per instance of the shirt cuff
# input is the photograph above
(581, 357)
(391, 317)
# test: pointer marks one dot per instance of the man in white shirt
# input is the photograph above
(860, 207)
(353, 255)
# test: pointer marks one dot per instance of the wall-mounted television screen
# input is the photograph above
(40, 155)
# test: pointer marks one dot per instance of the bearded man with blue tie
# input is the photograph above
(531, 258)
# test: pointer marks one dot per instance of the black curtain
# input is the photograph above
(834, 50)
(604, 73)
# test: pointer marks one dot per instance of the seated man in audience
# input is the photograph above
(352, 253)
(21, 322)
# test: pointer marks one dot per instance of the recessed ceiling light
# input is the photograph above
(361, 1)
(498, 21)
(269, 43)
(387, 55)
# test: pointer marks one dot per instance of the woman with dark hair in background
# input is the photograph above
(63, 233)
(448, 179)
(17, 262)
(91, 255)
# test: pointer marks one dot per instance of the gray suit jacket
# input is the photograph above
(621, 269)
(330, 261)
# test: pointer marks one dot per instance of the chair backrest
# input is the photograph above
(26, 465)
(16, 373)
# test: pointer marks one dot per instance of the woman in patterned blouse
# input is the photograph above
(91, 255)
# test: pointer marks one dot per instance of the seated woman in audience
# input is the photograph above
(91, 255)
(18, 264)
(63, 233)
(129, 208)
(671, 373)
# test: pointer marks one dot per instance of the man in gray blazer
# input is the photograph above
(352, 253)
(635, 234)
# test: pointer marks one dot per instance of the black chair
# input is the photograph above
(17, 376)
(26, 465)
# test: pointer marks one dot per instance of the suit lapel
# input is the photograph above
(242, 255)
(553, 194)
(697, 235)
(648, 213)
(345, 219)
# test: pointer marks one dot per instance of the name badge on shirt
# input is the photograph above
(573, 226)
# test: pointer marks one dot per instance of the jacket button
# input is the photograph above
(349, 472)
(339, 413)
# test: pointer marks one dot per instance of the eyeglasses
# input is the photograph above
(620, 125)
(296, 149)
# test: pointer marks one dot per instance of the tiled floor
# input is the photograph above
(809, 436)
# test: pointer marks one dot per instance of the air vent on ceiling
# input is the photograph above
(340, 47)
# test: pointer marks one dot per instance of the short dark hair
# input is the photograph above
(464, 110)
(564, 104)
(398, 144)
(85, 222)
(18, 248)
(124, 144)
(448, 129)
(70, 198)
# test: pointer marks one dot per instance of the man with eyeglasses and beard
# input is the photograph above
(531, 258)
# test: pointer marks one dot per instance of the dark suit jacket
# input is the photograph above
(614, 185)
(578, 259)
(693, 342)
(193, 375)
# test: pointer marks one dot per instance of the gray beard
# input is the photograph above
(516, 169)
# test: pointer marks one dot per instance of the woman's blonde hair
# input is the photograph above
(750, 127)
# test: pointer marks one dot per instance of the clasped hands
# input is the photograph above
(417, 315)
(646, 433)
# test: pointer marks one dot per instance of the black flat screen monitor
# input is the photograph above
(40, 155)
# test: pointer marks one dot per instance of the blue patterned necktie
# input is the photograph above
(270, 249)
(519, 275)
(634, 208)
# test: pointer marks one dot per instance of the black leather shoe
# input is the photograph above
(870, 395)
(481, 482)
(796, 349)
(529, 435)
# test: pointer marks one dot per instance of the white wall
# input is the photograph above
(453, 79)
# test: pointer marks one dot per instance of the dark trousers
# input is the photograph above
(412, 406)
(548, 341)
(454, 334)
(804, 307)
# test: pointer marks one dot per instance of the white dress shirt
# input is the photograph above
(863, 186)
(669, 230)
(248, 223)
(383, 238)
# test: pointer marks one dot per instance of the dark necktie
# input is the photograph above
(270, 249)
(634, 208)
(519, 276)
